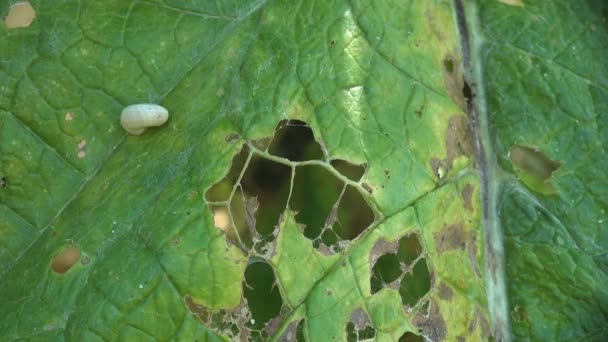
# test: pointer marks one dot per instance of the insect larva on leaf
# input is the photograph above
(135, 118)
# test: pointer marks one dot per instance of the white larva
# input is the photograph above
(135, 118)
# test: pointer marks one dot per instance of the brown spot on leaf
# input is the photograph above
(65, 260)
(20, 14)
(445, 292)
(380, 248)
(467, 195)
(485, 325)
(451, 237)
(290, 333)
(432, 326)
(225, 322)
(453, 79)
(433, 25)
(472, 250)
(274, 324)
(360, 319)
(458, 142)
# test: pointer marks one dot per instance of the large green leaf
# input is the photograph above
(543, 67)
(380, 84)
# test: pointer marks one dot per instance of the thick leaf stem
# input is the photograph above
(474, 90)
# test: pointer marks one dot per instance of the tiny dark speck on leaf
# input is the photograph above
(85, 260)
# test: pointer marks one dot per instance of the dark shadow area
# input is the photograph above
(295, 141)
(393, 267)
(415, 284)
(315, 192)
(269, 182)
(386, 270)
(410, 337)
(354, 215)
(353, 172)
(262, 296)
(409, 248)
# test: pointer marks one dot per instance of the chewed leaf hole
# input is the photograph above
(65, 260)
(20, 14)
(315, 197)
(392, 261)
(262, 295)
(221, 190)
(534, 168)
(410, 337)
(289, 171)
(354, 215)
(360, 327)
(269, 182)
(353, 172)
(448, 63)
(416, 284)
(386, 270)
(295, 141)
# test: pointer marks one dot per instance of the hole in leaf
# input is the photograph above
(20, 14)
(353, 172)
(415, 284)
(386, 270)
(410, 337)
(243, 211)
(354, 215)
(261, 293)
(534, 168)
(315, 192)
(391, 260)
(221, 190)
(300, 332)
(256, 189)
(3, 182)
(329, 237)
(360, 327)
(65, 260)
(448, 63)
(295, 141)
(269, 181)
(409, 248)
(221, 218)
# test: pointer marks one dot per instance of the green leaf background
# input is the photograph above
(379, 82)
